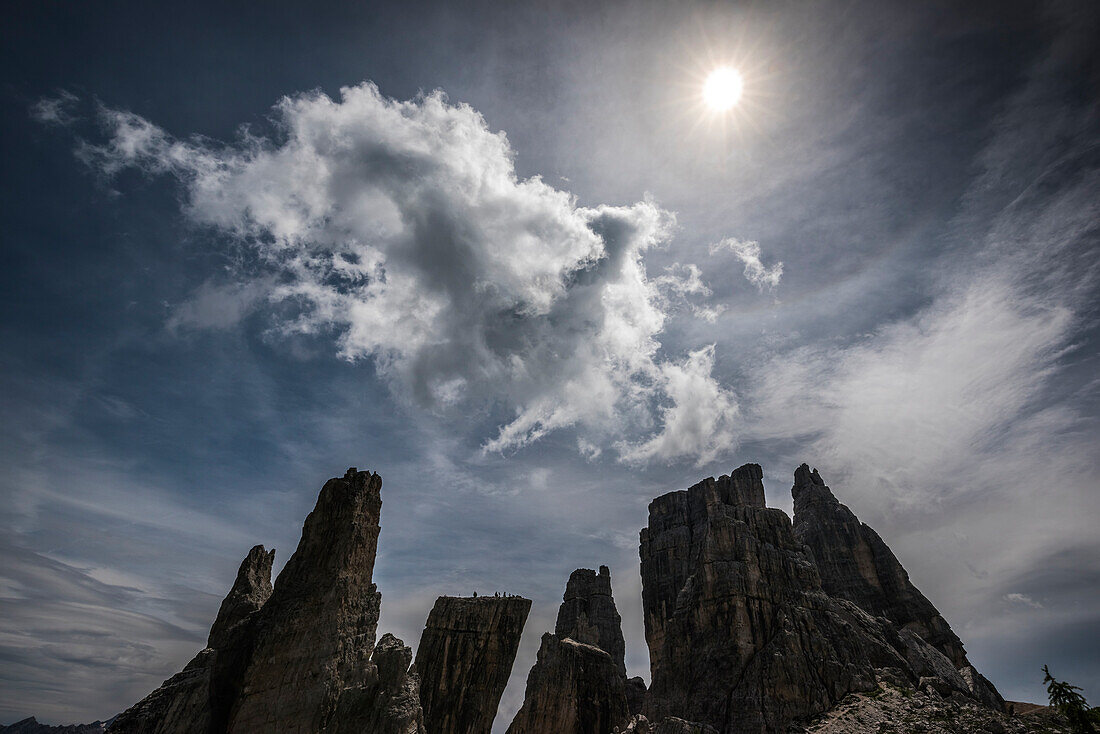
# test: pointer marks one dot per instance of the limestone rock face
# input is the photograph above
(982, 689)
(635, 694)
(741, 635)
(315, 634)
(464, 659)
(578, 684)
(250, 591)
(389, 700)
(233, 633)
(588, 614)
(198, 698)
(855, 564)
(572, 688)
(297, 658)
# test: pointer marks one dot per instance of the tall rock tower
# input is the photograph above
(578, 684)
(300, 658)
(741, 635)
(464, 659)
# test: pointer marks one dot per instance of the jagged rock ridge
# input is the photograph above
(753, 624)
(855, 564)
(742, 634)
(199, 698)
(464, 659)
(388, 701)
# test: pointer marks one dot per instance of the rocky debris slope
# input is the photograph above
(742, 635)
(891, 709)
(639, 724)
(578, 684)
(297, 658)
(30, 725)
(855, 564)
(464, 659)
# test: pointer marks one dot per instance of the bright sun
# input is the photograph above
(722, 89)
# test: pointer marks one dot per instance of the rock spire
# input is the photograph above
(298, 657)
(578, 684)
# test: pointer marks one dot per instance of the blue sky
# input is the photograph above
(506, 258)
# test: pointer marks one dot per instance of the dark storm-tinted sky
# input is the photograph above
(185, 359)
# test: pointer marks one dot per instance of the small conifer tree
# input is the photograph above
(1071, 704)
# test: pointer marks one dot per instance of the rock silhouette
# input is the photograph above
(578, 684)
(742, 634)
(855, 564)
(297, 658)
(587, 614)
(199, 698)
(753, 624)
(315, 635)
(464, 659)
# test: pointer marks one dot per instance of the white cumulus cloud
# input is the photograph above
(403, 227)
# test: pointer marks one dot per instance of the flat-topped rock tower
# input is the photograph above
(464, 659)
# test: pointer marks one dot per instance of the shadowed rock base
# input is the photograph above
(389, 700)
(573, 687)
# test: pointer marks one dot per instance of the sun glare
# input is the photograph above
(722, 89)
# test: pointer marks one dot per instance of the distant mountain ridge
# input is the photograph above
(30, 725)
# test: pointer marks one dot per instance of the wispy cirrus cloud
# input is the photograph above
(968, 422)
(59, 620)
(748, 252)
(55, 110)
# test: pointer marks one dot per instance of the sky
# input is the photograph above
(504, 255)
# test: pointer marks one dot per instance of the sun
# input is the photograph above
(722, 89)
